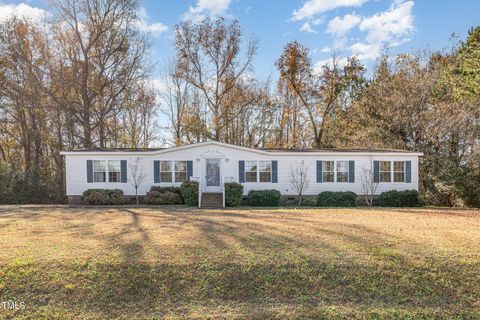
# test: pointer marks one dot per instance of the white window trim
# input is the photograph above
(380, 171)
(404, 171)
(108, 172)
(172, 171)
(336, 171)
(258, 171)
(174, 179)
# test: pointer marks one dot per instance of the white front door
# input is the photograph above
(212, 175)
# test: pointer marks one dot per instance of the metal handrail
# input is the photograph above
(200, 191)
(222, 181)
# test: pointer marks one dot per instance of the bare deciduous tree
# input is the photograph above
(299, 179)
(319, 92)
(209, 60)
(137, 174)
(175, 100)
(369, 185)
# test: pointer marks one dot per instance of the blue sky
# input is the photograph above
(359, 27)
(349, 27)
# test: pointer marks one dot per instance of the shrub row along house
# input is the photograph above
(212, 164)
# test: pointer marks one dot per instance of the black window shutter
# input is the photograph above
(189, 169)
(156, 171)
(274, 171)
(89, 171)
(408, 171)
(319, 171)
(123, 168)
(241, 171)
(351, 171)
(376, 171)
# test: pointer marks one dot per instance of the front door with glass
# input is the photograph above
(212, 175)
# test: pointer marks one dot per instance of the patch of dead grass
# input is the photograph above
(86, 263)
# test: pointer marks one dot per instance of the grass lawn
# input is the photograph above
(149, 263)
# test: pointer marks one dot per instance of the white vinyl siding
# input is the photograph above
(76, 174)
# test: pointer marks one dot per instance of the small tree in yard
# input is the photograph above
(299, 179)
(136, 171)
(369, 186)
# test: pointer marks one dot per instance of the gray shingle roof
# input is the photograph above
(333, 150)
(116, 149)
(264, 149)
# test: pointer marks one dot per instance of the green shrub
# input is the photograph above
(169, 198)
(96, 197)
(309, 202)
(17, 187)
(264, 198)
(176, 190)
(406, 198)
(233, 194)
(117, 197)
(104, 197)
(163, 198)
(190, 192)
(151, 196)
(337, 199)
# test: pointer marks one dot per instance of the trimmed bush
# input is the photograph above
(151, 196)
(117, 197)
(264, 198)
(163, 198)
(176, 190)
(104, 197)
(337, 199)
(190, 192)
(233, 194)
(169, 198)
(96, 197)
(406, 198)
(309, 202)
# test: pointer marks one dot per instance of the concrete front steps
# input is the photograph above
(212, 200)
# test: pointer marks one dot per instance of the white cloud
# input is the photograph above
(389, 28)
(326, 50)
(206, 8)
(339, 27)
(318, 66)
(396, 22)
(307, 28)
(143, 23)
(313, 7)
(366, 51)
(22, 10)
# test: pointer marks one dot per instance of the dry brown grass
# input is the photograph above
(87, 263)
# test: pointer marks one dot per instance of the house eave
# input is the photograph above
(258, 151)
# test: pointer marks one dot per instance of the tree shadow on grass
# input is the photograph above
(245, 259)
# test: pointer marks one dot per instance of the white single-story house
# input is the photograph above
(212, 163)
